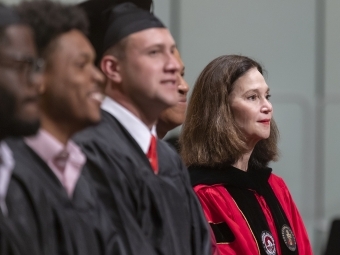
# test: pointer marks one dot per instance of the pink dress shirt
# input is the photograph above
(6, 168)
(66, 162)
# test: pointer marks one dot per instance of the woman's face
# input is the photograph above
(250, 106)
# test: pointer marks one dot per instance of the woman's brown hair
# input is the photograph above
(209, 135)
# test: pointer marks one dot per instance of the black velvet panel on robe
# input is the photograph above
(242, 186)
(77, 226)
(155, 214)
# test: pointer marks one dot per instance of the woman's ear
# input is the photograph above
(111, 68)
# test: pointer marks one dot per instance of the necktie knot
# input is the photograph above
(152, 154)
(61, 159)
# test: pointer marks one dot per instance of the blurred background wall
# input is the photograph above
(298, 43)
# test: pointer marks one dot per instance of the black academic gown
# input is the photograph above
(156, 214)
(12, 241)
(22, 229)
(77, 226)
(29, 214)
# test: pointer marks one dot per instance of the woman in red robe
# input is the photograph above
(228, 138)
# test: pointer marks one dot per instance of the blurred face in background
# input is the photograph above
(72, 82)
(174, 116)
(20, 79)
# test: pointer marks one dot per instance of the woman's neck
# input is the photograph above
(243, 161)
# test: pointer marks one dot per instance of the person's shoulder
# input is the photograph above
(21, 152)
(16, 144)
(95, 132)
(103, 134)
(203, 189)
(174, 143)
(168, 148)
(280, 189)
(212, 190)
(168, 154)
(277, 180)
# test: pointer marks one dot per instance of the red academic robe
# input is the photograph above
(219, 206)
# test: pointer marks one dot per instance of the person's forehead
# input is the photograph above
(73, 38)
(251, 80)
(73, 41)
(18, 37)
(151, 36)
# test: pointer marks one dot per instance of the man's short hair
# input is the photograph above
(8, 17)
(50, 19)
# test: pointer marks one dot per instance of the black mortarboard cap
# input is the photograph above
(126, 19)
(112, 20)
(8, 16)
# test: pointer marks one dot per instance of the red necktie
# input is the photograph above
(152, 154)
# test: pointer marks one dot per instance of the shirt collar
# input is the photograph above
(137, 129)
(48, 147)
(45, 145)
(66, 162)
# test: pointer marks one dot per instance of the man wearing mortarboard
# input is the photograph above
(141, 181)
(69, 101)
(19, 79)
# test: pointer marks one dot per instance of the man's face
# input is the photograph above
(149, 69)
(19, 84)
(72, 82)
(175, 115)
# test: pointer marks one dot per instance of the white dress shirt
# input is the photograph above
(137, 129)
